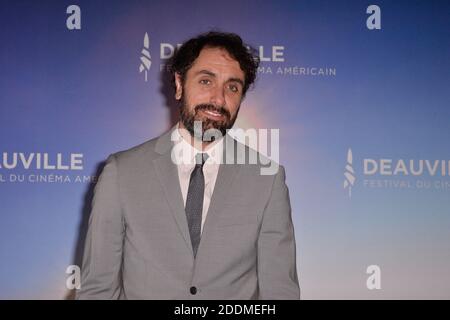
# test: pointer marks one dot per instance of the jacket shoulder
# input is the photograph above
(145, 150)
(256, 162)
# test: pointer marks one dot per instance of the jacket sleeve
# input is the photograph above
(277, 271)
(102, 258)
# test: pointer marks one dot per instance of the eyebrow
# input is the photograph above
(212, 74)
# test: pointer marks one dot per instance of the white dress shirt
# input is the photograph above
(184, 154)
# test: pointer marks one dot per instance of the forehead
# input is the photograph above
(218, 61)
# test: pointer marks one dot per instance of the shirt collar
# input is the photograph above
(185, 152)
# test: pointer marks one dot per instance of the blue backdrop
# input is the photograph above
(360, 97)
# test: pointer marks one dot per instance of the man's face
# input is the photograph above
(211, 92)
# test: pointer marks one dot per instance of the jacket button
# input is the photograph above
(193, 290)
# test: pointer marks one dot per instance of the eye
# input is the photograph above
(205, 81)
(233, 88)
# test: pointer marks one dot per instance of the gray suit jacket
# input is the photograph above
(138, 244)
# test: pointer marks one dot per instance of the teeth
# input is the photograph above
(213, 113)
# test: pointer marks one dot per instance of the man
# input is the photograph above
(178, 217)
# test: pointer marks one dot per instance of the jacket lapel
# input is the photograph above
(228, 170)
(167, 173)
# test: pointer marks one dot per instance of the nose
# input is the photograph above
(218, 96)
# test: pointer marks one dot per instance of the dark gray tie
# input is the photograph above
(194, 200)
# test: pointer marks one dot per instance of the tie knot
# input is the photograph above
(200, 158)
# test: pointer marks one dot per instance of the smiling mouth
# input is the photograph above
(212, 114)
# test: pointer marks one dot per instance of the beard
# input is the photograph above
(191, 118)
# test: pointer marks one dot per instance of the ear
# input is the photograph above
(178, 85)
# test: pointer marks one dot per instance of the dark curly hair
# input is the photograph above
(185, 56)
